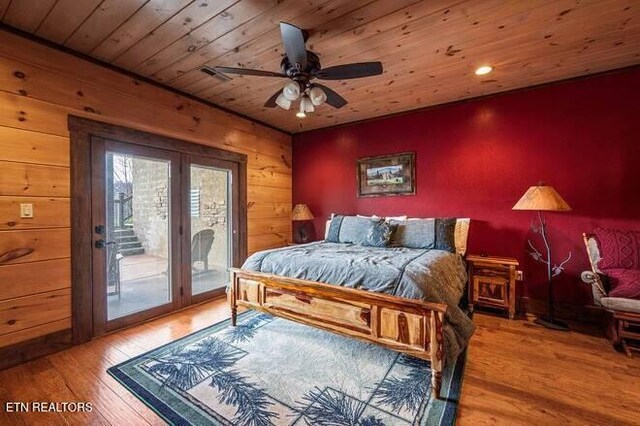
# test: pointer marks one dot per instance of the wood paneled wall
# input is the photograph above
(39, 87)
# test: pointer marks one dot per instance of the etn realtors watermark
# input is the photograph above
(46, 407)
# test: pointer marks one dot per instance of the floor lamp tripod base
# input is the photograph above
(553, 324)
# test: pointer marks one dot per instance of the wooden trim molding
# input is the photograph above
(34, 348)
(566, 311)
(82, 130)
(81, 238)
(125, 134)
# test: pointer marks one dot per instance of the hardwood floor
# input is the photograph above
(520, 373)
(517, 373)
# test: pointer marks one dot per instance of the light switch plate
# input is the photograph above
(26, 211)
(519, 275)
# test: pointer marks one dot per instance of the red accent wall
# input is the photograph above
(476, 159)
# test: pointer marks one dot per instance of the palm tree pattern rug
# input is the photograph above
(270, 371)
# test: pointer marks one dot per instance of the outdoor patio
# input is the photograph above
(144, 284)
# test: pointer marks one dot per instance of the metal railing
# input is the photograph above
(123, 209)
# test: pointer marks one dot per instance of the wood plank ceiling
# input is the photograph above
(429, 49)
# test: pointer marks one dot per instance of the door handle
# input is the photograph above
(103, 244)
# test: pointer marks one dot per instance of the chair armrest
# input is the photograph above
(593, 278)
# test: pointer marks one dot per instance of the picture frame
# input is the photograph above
(386, 175)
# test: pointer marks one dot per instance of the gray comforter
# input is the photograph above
(429, 275)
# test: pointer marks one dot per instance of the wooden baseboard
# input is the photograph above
(44, 345)
(566, 311)
(34, 348)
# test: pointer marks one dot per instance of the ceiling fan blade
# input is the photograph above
(271, 102)
(245, 71)
(333, 98)
(293, 41)
(348, 71)
(216, 74)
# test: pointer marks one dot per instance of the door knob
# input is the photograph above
(103, 243)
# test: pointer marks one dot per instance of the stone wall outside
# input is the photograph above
(151, 209)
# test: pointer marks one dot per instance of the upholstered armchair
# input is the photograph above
(623, 314)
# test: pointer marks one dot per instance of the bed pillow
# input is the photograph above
(428, 233)
(624, 283)
(415, 233)
(348, 229)
(379, 234)
(618, 248)
(462, 234)
(446, 234)
(374, 217)
(333, 229)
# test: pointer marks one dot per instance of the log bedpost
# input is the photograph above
(232, 299)
(437, 351)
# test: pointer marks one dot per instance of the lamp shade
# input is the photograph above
(302, 212)
(283, 102)
(542, 197)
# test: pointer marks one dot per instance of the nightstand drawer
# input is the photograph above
(488, 270)
(491, 291)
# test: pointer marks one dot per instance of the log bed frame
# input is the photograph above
(403, 325)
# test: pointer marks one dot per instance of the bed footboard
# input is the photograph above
(404, 325)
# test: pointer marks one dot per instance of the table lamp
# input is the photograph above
(303, 216)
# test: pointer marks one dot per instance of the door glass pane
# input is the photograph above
(137, 234)
(210, 243)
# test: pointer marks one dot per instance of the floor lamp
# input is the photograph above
(544, 198)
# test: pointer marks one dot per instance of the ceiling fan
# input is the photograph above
(302, 66)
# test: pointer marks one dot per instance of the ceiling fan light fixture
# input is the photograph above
(484, 70)
(317, 96)
(306, 105)
(283, 102)
(291, 90)
(301, 114)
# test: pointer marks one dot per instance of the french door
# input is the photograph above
(164, 227)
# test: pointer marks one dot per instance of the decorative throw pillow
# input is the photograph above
(625, 283)
(415, 233)
(379, 234)
(618, 248)
(446, 234)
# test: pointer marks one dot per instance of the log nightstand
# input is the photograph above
(492, 282)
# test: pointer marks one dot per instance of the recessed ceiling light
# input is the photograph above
(301, 114)
(484, 70)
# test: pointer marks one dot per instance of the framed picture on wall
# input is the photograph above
(387, 175)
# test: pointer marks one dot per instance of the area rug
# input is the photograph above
(270, 371)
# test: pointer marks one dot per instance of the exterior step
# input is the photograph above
(131, 245)
(131, 251)
(122, 240)
(124, 233)
(128, 242)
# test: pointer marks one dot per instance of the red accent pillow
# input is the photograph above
(618, 249)
(624, 283)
